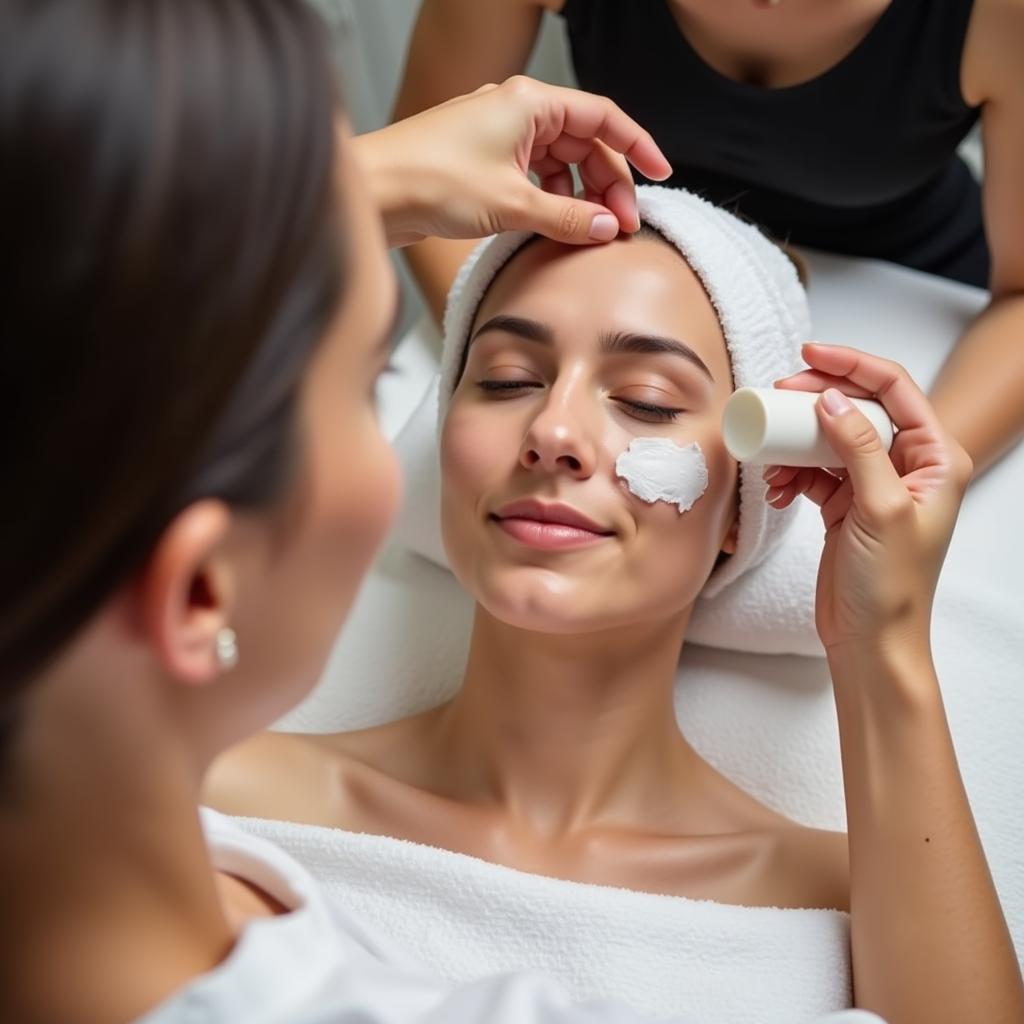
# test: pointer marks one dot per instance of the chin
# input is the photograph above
(541, 601)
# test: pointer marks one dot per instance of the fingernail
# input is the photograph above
(835, 402)
(770, 471)
(604, 227)
(773, 495)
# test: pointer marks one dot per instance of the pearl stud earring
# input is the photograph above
(227, 648)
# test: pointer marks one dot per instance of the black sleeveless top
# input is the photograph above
(859, 160)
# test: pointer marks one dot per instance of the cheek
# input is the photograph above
(353, 501)
(672, 546)
(478, 451)
(345, 496)
(480, 448)
(359, 488)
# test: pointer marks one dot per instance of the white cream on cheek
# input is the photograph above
(658, 469)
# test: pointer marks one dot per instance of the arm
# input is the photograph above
(929, 940)
(928, 935)
(979, 395)
(493, 41)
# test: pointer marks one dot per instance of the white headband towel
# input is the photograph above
(760, 303)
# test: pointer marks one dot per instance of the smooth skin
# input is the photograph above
(560, 754)
(977, 395)
(122, 725)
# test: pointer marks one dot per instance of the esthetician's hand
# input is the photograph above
(889, 516)
(460, 170)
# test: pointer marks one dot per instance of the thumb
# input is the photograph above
(853, 436)
(563, 218)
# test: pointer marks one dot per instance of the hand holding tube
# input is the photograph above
(773, 426)
(888, 516)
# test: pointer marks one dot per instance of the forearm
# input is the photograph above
(979, 395)
(929, 940)
(493, 41)
(403, 196)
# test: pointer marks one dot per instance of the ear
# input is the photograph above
(187, 592)
(729, 543)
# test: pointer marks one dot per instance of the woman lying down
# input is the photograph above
(551, 814)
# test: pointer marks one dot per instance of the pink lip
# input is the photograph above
(553, 527)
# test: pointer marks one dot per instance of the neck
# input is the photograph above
(568, 731)
(98, 824)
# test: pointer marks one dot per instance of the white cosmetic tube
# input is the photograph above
(767, 426)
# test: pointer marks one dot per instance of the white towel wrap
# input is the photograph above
(705, 962)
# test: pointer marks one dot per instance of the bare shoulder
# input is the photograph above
(762, 858)
(325, 779)
(271, 775)
(991, 67)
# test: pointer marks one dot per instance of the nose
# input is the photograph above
(561, 437)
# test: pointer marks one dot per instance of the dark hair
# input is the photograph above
(171, 255)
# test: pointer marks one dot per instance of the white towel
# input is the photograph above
(665, 956)
(768, 610)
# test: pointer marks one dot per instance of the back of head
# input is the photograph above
(171, 255)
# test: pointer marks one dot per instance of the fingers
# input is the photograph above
(872, 474)
(610, 202)
(835, 508)
(869, 470)
(621, 200)
(883, 379)
(786, 484)
(606, 179)
(815, 380)
(605, 175)
(562, 218)
(586, 116)
(554, 177)
(829, 489)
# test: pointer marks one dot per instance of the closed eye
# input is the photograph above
(650, 413)
(646, 411)
(507, 385)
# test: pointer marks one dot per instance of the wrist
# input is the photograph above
(395, 186)
(895, 671)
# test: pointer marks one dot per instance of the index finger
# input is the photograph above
(886, 380)
(587, 116)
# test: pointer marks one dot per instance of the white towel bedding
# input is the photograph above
(665, 956)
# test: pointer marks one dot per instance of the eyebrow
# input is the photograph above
(619, 342)
(654, 344)
(531, 330)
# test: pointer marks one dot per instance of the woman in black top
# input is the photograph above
(833, 125)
